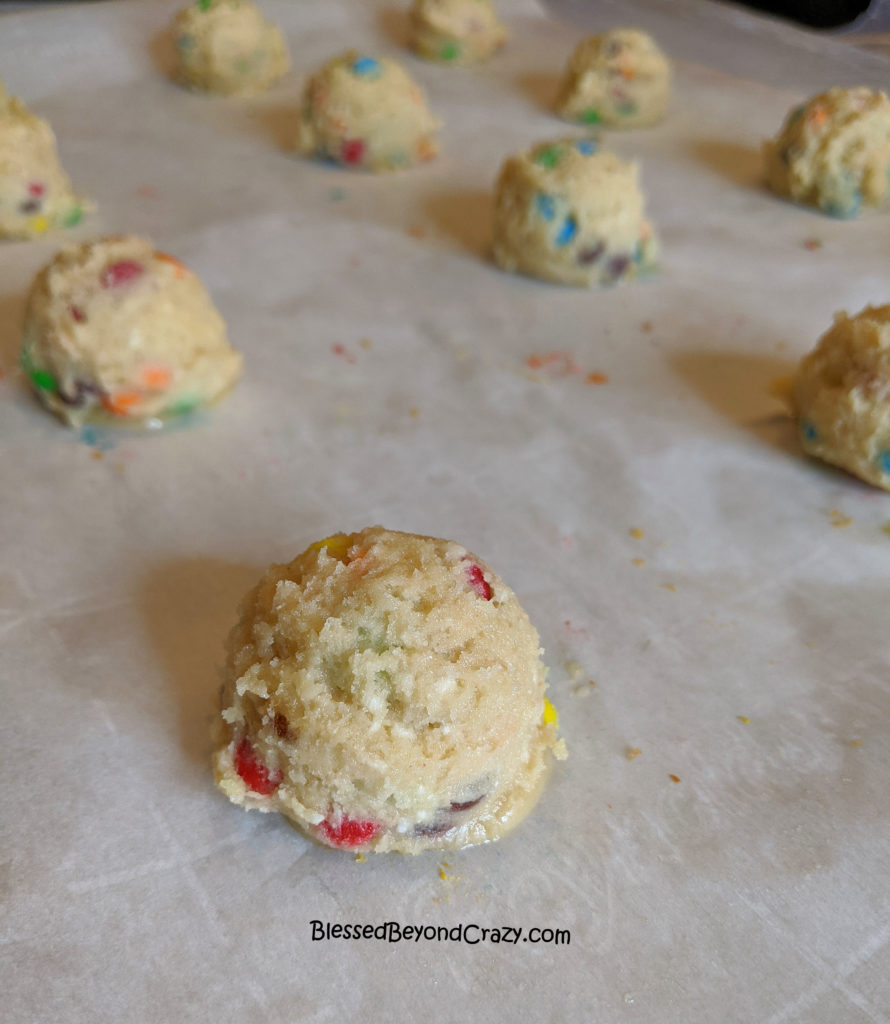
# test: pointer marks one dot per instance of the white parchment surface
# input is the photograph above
(736, 869)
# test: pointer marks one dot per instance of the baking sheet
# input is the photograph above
(737, 868)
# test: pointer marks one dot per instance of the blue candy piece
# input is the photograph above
(567, 231)
(884, 461)
(809, 431)
(185, 42)
(367, 67)
(545, 205)
(845, 210)
(586, 146)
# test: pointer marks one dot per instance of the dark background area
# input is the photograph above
(817, 13)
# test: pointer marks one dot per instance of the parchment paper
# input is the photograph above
(734, 870)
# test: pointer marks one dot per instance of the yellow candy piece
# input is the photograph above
(551, 715)
(38, 225)
(337, 546)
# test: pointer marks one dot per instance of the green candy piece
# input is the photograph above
(449, 51)
(590, 116)
(205, 5)
(548, 157)
(72, 216)
(183, 407)
(43, 380)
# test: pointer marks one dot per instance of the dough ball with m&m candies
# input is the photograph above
(621, 79)
(228, 47)
(833, 152)
(571, 212)
(385, 691)
(116, 330)
(842, 396)
(366, 112)
(35, 193)
(456, 31)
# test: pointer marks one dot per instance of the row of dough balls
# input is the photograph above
(621, 78)
(86, 307)
(230, 47)
(833, 153)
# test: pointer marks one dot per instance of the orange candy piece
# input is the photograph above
(426, 150)
(157, 378)
(122, 402)
(179, 268)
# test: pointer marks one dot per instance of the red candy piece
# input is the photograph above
(478, 582)
(36, 189)
(255, 774)
(353, 151)
(349, 833)
(122, 272)
(77, 314)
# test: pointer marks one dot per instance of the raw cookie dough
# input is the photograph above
(366, 112)
(35, 193)
(456, 31)
(570, 212)
(842, 396)
(386, 692)
(621, 79)
(114, 329)
(229, 47)
(833, 152)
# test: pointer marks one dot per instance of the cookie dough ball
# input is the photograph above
(456, 31)
(366, 112)
(842, 396)
(833, 152)
(570, 212)
(386, 692)
(116, 329)
(621, 79)
(229, 47)
(35, 193)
